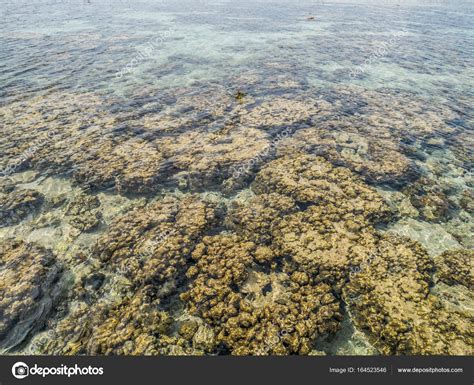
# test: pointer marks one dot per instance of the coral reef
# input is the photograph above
(43, 135)
(326, 247)
(384, 279)
(432, 203)
(130, 327)
(30, 287)
(312, 180)
(282, 325)
(269, 288)
(207, 132)
(255, 217)
(354, 128)
(291, 260)
(117, 156)
(391, 301)
(280, 112)
(456, 267)
(134, 270)
(379, 160)
(82, 212)
(332, 234)
(207, 159)
(399, 203)
(153, 244)
(17, 205)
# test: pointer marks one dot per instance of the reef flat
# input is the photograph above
(261, 212)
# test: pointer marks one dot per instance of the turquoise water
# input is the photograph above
(83, 44)
(110, 109)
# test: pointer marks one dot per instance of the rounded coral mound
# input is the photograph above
(153, 244)
(269, 271)
(456, 267)
(141, 260)
(256, 218)
(311, 180)
(83, 212)
(130, 326)
(17, 205)
(390, 299)
(30, 287)
(284, 316)
(272, 287)
(379, 160)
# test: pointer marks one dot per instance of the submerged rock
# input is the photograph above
(432, 203)
(30, 287)
(82, 212)
(456, 267)
(154, 243)
(120, 305)
(17, 205)
(285, 324)
(391, 301)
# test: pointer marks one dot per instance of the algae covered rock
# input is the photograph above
(257, 216)
(82, 212)
(311, 180)
(431, 201)
(130, 326)
(390, 300)
(456, 267)
(281, 317)
(30, 287)
(153, 244)
(17, 205)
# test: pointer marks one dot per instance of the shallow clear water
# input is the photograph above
(58, 44)
(132, 102)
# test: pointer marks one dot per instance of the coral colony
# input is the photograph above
(269, 216)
